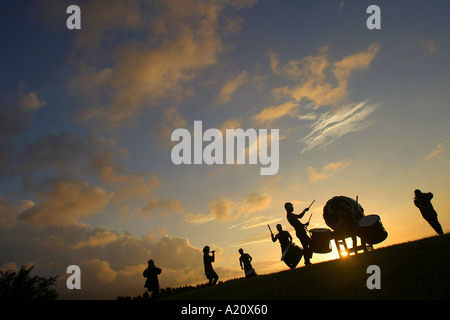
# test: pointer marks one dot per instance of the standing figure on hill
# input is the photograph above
(294, 220)
(209, 271)
(423, 202)
(152, 283)
(245, 260)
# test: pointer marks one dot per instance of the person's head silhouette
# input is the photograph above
(289, 207)
(279, 228)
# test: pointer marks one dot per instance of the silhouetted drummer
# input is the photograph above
(423, 202)
(209, 271)
(283, 236)
(294, 220)
(245, 260)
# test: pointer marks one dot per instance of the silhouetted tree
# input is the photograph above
(21, 286)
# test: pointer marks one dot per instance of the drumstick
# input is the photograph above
(311, 204)
(310, 218)
(270, 229)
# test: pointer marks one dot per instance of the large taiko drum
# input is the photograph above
(342, 213)
(320, 240)
(292, 255)
(371, 230)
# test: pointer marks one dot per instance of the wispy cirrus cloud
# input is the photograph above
(332, 125)
(315, 81)
(438, 152)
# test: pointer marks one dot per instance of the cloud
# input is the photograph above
(231, 123)
(267, 115)
(255, 222)
(101, 19)
(15, 118)
(169, 205)
(67, 156)
(333, 125)
(315, 84)
(65, 203)
(63, 152)
(31, 102)
(10, 211)
(228, 89)
(258, 238)
(318, 81)
(101, 238)
(327, 170)
(174, 41)
(98, 270)
(224, 209)
(171, 120)
(438, 152)
(428, 45)
(127, 186)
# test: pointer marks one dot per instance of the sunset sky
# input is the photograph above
(86, 118)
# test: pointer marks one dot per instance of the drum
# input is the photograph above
(250, 273)
(292, 255)
(320, 240)
(371, 230)
(342, 213)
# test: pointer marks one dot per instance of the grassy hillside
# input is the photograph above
(412, 270)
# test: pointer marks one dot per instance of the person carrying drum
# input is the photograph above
(283, 236)
(245, 260)
(291, 259)
(300, 231)
(423, 202)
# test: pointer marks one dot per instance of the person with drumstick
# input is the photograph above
(285, 239)
(294, 220)
(283, 236)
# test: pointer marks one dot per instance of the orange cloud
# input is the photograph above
(185, 39)
(438, 152)
(65, 203)
(272, 113)
(327, 170)
(315, 85)
(231, 86)
(225, 209)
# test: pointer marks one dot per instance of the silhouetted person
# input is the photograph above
(294, 220)
(152, 283)
(245, 260)
(283, 236)
(423, 202)
(209, 271)
(285, 239)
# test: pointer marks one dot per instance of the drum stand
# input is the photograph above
(342, 247)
